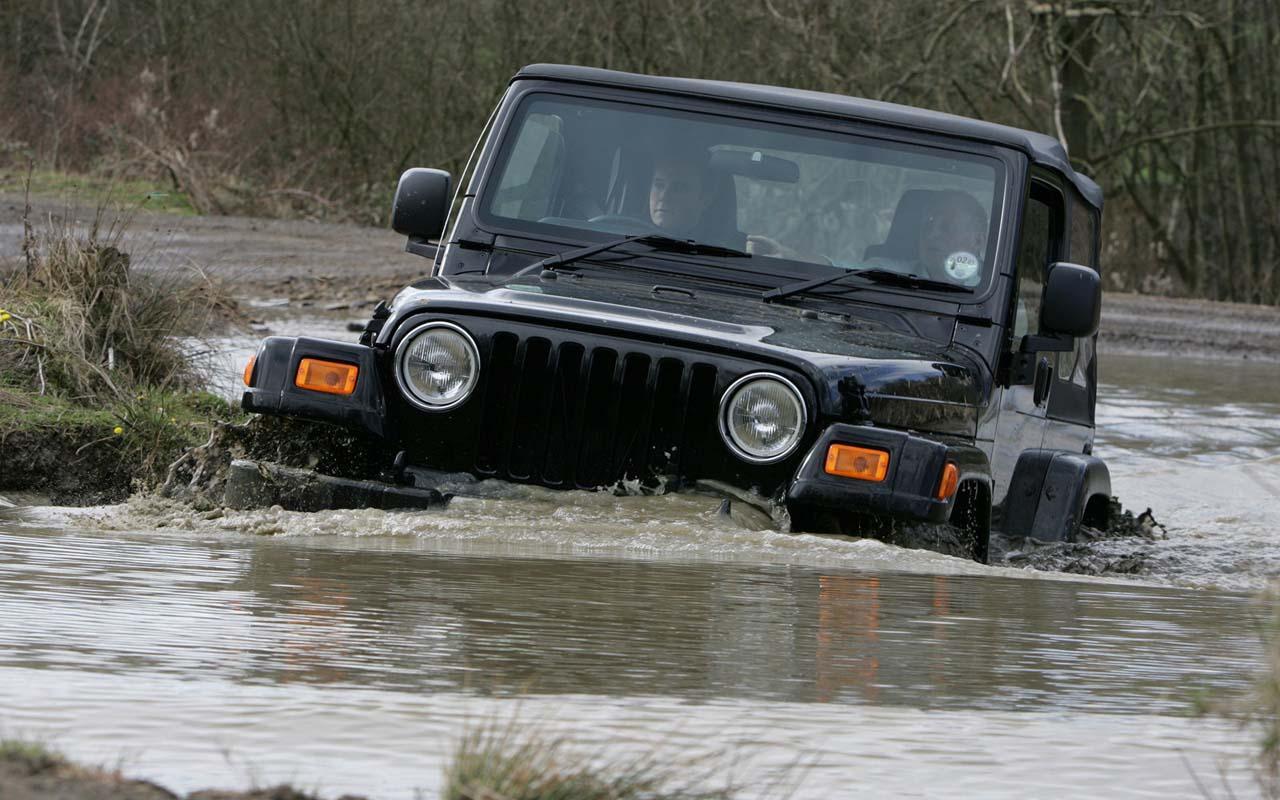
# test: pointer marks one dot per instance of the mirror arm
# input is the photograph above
(1021, 365)
(420, 246)
(1047, 343)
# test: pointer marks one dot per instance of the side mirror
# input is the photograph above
(421, 205)
(1072, 301)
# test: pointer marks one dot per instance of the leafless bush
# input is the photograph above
(1173, 106)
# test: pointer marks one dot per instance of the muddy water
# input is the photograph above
(1199, 443)
(346, 651)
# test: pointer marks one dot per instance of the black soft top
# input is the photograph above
(1040, 148)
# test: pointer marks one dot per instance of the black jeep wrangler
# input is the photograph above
(864, 316)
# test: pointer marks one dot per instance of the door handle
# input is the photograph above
(1044, 375)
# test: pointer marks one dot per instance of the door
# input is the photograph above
(1023, 407)
(1073, 389)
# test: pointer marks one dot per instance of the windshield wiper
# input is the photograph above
(655, 240)
(882, 276)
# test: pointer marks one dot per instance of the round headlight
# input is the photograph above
(437, 366)
(762, 417)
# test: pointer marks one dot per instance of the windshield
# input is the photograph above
(792, 197)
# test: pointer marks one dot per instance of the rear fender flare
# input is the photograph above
(1050, 492)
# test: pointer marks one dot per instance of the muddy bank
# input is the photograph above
(1149, 325)
(73, 464)
(291, 268)
(83, 460)
(32, 772)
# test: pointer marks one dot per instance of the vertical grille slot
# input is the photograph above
(700, 410)
(525, 434)
(499, 368)
(566, 400)
(631, 441)
(600, 396)
(667, 425)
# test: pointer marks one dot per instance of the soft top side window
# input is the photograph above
(1073, 366)
(1084, 227)
(1039, 246)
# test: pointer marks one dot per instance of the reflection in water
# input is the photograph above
(307, 658)
(271, 611)
(848, 624)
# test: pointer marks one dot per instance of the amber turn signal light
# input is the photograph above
(950, 480)
(861, 463)
(329, 377)
(248, 370)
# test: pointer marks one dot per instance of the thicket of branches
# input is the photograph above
(314, 107)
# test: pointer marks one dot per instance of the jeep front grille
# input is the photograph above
(565, 414)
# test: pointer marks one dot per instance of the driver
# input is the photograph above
(679, 193)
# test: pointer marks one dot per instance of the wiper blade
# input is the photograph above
(882, 276)
(655, 240)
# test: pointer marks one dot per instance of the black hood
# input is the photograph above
(893, 368)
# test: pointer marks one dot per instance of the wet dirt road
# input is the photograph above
(346, 651)
(289, 272)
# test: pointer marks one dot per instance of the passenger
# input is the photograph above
(952, 240)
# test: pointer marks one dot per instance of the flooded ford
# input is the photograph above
(347, 651)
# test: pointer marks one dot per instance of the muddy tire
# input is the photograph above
(948, 539)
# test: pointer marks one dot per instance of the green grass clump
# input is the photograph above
(502, 763)
(97, 189)
(32, 758)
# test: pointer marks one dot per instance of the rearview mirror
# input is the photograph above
(1072, 301)
(421, 205)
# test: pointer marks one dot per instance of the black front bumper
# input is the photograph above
(272, 390)
(907, 492)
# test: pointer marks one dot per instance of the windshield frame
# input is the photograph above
(533, 237)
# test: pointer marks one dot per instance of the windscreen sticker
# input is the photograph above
(961, 266)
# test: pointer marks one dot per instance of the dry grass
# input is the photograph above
(1258, 710)
(78, 319)
(1262, 710)
(504, 762)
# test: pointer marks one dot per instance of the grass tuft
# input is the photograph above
(1258, 710)
(500, 762)
(32, 758)
(78, 320)
(1262, 711)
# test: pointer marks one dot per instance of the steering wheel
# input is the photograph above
(619, 223)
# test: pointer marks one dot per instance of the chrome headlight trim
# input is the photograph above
(723, 413)
(401, 349)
